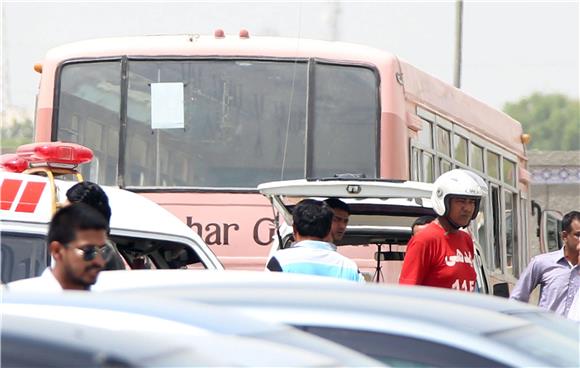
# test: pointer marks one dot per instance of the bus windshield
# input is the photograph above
(219, 123)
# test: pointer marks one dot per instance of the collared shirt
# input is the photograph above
(315, 258)
(574, 312)
(572, 309)
(552, 272)
(46, 282)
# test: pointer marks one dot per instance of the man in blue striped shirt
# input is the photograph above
(313, 253)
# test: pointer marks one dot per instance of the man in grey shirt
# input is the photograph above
(553, 271)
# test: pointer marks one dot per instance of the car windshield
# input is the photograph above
(545, 345)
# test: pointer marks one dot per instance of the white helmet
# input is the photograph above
(457, 182)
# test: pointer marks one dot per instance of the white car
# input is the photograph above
(397, 325)
(382, 213)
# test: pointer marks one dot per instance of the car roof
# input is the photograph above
(91, 328)
(311, 292)
(147, 279)
(152, 279)
(448, 315)
(263, 281)
(319, 301)
(161, 346)
(436, 321)
(199, 315)
(174, 316)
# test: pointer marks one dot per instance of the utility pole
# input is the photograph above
(5, 100)
(334, 31)
(458, 42)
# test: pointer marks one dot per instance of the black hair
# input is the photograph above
(91, 194)
(423, 220)
(312, 218)
(567, 220)
(337, 203)
(68, 220)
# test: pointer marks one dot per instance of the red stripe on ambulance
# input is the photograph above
(30, 197)
(8, 193)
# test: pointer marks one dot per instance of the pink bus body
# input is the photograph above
(237, 223)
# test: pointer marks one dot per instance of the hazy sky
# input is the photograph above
(511, 49)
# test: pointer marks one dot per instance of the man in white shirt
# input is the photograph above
(77, 236)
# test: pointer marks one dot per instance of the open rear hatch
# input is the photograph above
(376, 206)
(381, 212)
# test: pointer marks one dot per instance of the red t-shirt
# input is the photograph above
(440, 259)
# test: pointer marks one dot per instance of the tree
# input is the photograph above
(17, 133)
(553, 120)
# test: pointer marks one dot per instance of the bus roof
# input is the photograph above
(198, 45)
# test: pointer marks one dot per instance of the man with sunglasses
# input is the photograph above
(77, 236)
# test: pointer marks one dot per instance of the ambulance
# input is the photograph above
(32, 189)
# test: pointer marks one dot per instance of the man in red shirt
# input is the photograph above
(442, 255)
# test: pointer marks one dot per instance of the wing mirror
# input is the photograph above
(501, 290)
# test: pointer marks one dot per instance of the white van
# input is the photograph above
(379, 228)
(145, 234)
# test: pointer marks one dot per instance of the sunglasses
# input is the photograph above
(90, 252)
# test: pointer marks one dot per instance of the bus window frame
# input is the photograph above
(524, 250)
(125, 61)
(57, 86)
(497, 221)
(511, 270)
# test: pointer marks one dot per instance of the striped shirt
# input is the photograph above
(315, 258)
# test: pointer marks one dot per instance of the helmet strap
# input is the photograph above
(452, 223)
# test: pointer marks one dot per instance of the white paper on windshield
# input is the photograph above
(167, 106)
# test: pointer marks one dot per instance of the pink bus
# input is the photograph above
(195, 123)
